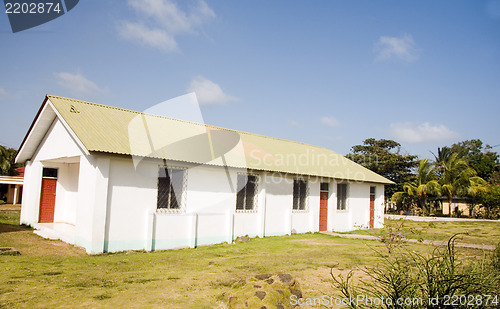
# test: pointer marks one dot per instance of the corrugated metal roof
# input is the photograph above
(108, 129)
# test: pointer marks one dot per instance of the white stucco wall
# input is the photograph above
(208, 215)
(279, 201)
(357, 214)
(131, 197)
(341, 220)
(66, 192)
(58, 143)
(359, 204)
(31, 192)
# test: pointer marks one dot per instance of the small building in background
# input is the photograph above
(14, 186)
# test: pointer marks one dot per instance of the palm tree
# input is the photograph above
(442, 157)
(425, 185)
(457, 178)
(478, 187)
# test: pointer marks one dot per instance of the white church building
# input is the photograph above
(109, 179)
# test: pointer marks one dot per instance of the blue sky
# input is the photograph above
(327, 73)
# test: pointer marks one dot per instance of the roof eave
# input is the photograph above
(20, 157)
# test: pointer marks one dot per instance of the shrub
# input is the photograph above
(496, 258)
(413, 280)
(394, 234)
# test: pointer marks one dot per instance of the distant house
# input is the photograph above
(109, 179)
(460, 204)
(14, 186)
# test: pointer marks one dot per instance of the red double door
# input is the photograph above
(47, 200)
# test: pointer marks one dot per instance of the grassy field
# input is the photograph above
(52, 273)
(479, 232)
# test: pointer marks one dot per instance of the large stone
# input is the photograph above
(263, 291)
(262, 276)
(243, 239)
(285, 277)
(9, 251)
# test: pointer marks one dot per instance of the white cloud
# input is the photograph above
(403, 48)
(208, 92)
(4, 94)
(329, 122)
(165, 21)
(77, 84)
(294, 123)
(421, 133)
(147, 36)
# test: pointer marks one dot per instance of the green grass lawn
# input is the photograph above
(479, 232)
(53, 274)
(10, 217)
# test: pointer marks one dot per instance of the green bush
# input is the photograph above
(395, 233)
(408, 279)
(496, 258)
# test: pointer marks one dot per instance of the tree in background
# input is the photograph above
(491, 201)
(384, 157)
(476, 191)
(7, 167)
(425, 185)
(460, 170)
(495, 178)
(457, 178)
(7, 158)
(480, 158)
(443, 154)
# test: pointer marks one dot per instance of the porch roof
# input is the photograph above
(11, 180)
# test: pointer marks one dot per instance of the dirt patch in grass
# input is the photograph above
(32, 245)
(29, 244)
(316, 242)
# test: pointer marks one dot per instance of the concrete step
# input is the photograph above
(61, 231)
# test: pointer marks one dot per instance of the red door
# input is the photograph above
(372, 210)
(47, 200)
(323, 211)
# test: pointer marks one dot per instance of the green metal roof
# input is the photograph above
(107, 129)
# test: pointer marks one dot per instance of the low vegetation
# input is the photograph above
(56, 274)
(437, 279)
